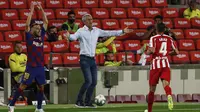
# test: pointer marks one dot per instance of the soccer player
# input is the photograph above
(160, 47)
(35, 63)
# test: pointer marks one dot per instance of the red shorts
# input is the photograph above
(162, 73)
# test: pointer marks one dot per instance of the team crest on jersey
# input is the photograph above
(38, 44)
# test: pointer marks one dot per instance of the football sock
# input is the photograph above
(150, 101)
(40, 99)
(17, 94)
(168, 90)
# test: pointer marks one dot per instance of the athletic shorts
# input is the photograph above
(161, 73)
(34, 73)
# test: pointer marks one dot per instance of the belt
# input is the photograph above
(82, 55)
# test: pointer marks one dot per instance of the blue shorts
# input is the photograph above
(34, 73)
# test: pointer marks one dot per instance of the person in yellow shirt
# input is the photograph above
(17, 62)
(110, 60)
(192, 11)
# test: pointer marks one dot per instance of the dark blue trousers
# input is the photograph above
(89, 69)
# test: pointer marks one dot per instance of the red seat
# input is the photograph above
(109, 24)
(179, 33)
(168, 22)
(13, 36)
(122, 56)
(124, 3)
(42, 2)
(195, 56)
(181, 58)
(164, 98)
(131, 45)
(185, 98)
(195, 22)
(10, 14)
(186, 45)
(56, 59)
(159, 3)
(97, 59)
(148, 57)
(196, 97)
(119, 46)
(54, 3)
(170, 12)
(20, 4)
(100, 13)
(101, 59)
(49, 13)
(47, 47)
(19, 25)
(1, 37)
(62, 13)
(56, 23)
(96, 23)
(71, 59)
(60, 46)
(79, 22)
(181, 10)
(4, 4)
(24, 48)
(138, 98)
(107, 3)
(135, 13)
(141, 3)
(23, 13)
(6, 47)
(89, 3)
(130, 23)
(181, 23)
(5, 25)
(123, 99)
(144, 23)
(74, 47)
(152, 12)
(72, 4)
(81, 12)
(198, 44)
(118, 13)
(137, 34)
(192, 33)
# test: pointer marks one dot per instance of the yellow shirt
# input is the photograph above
(191, 14)
(112, 63)
(17, 62)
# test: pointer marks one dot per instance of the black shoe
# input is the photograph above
(90, 106)
(79, 105)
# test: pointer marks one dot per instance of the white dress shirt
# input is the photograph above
(88, 39)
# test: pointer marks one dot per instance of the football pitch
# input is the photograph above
(158, 107)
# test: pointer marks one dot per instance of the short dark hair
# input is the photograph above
(71, 12)
(160, 27)
(17, 42)
(158, 16)
(51, 27)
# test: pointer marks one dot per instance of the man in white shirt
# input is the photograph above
(88, 37)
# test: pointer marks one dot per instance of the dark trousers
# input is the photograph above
(89, 69)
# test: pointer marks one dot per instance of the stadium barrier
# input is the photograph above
(185, 79)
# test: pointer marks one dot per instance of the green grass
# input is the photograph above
(158, 107)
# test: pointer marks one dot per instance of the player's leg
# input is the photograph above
(153, 81)
(90, 90)
(165, 77)
(41, 81)
(85, 67)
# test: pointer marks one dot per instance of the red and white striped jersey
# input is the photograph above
(163, 44)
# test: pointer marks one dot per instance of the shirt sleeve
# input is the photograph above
(186, 14)
(173, 44)
(15, 66)
(107, 33)
(151, 42)
(75, 36)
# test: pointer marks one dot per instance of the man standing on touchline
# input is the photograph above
(88, 36)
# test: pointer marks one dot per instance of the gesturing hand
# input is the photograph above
(127, 30)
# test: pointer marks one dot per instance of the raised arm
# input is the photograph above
(45, 20)
(28, 21)
(109, 33)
